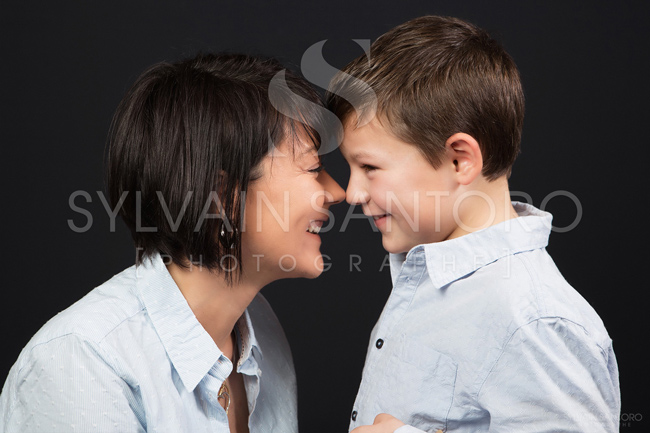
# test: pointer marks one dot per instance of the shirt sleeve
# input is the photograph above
(552, 376)
(67, 385)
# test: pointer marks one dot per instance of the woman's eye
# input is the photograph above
(317, 169)
(367, 168)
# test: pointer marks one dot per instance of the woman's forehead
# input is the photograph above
(298, 147)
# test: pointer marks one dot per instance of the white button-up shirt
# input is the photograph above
(482, 333)
(131, 357)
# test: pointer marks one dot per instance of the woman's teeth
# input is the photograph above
(315, 226)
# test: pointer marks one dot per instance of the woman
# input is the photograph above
(217, 175)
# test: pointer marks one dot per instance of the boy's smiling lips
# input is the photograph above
(379, 219)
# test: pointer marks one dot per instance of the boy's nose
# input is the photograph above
(333, 188)
(355, 195)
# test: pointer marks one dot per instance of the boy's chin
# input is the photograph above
(393, 247)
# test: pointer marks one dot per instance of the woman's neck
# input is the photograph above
(216, 305)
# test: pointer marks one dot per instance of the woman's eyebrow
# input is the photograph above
(308, 151)
(306, 154)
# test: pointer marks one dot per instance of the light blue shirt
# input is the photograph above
(131, 357)
(482, 333)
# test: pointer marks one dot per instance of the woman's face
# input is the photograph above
(285, 209)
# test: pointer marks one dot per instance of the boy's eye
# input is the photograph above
(317, 169)
(367, 168)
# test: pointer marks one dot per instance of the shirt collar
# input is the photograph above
(450, 260)
(248, 341)
(188, 345)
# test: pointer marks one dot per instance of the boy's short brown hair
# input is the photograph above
(433, 77)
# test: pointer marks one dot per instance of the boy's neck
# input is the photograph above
(483, 204)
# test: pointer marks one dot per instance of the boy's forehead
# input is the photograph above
(354, 142)
(350, 152)
(365, 141)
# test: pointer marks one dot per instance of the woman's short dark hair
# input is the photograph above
(185, 142)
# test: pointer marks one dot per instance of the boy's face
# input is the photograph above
(409, 201)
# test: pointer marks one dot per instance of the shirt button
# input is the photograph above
(354, 415)
(379, 343)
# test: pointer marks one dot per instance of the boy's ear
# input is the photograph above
(465, 153)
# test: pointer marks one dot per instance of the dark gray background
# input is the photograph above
(584, 66)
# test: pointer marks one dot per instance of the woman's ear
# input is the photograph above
(464, 151)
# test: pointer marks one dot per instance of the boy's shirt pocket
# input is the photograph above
(418, 388)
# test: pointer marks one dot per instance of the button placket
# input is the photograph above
(406, 283)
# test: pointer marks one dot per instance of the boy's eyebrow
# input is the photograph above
(360, 154)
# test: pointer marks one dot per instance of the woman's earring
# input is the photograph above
(225, 242)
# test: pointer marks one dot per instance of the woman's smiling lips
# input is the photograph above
(315, 226)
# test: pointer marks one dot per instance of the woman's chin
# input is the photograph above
(310, 268)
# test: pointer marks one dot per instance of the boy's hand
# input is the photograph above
(384, 423)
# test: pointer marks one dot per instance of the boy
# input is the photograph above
(481, 332)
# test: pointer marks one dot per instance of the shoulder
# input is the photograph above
(520, 289)
(58, 382)
(555, 298)
(529, 286)
(91, 318)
